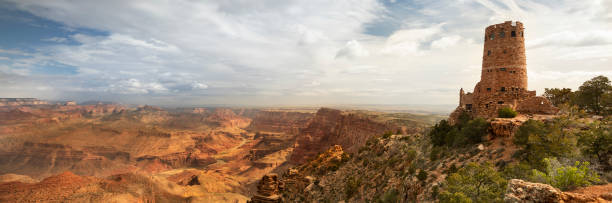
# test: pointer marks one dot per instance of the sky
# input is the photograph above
(285, 52)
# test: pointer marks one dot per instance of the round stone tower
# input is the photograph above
(503, 79)
(504, 65)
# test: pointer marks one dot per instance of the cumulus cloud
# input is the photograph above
(352, 49)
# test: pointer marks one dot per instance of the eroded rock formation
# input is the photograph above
(522, 191)
(504, 127)
(334, 127)
(268, 190)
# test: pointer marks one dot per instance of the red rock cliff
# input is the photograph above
(334, 127)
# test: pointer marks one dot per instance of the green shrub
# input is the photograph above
(517, 171)
(461, 134)
(539, 140)
(565, 177)
(452, 169)
(435, 152)
(411, 155)
(506, 112)
(387, 135)
(390, 196)
(457, 197)
(422, 176)
(480, 183)
(352, 186)
(474, 131)
(596, 143)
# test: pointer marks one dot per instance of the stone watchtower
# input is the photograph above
(503, 78)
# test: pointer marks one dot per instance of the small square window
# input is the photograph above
(491, 36)
(513, 33)
(488, 89)
(500, 102)
(502, 34)
(503, 89)
(489, 53)
(502, 69)
(504, 51)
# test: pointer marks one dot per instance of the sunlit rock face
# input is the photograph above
(330, 127)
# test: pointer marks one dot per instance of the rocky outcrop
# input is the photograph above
(504, 127)
(269, 143)
(187, 177)
(523, 191)
(268, 190)
(329, 160)
(334, 127)
(192, 158)
(280, 121)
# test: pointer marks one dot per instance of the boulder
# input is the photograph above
(523, 191)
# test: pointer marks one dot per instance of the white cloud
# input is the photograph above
(445, 42)
(352, 49)
(408, 41)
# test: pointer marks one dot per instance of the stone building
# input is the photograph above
(503, 78)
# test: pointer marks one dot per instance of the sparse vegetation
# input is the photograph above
(422, 176)
(351, 186)
(594, 96)
(475, 182)
(466, 132)
(566, 177)
(506, 112)
(540, 140)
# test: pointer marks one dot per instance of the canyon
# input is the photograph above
(103, 152)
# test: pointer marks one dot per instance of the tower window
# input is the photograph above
(489, 53)
(488, 89)
(503, 89)
(491, 36)
(502, 34)
(513, 33)
(468, 106)
(502, 69)
(500, 102)
(504, 51)
(487, 106)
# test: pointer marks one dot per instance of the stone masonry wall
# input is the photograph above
(503, 81)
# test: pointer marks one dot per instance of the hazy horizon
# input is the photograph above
(287, 53)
